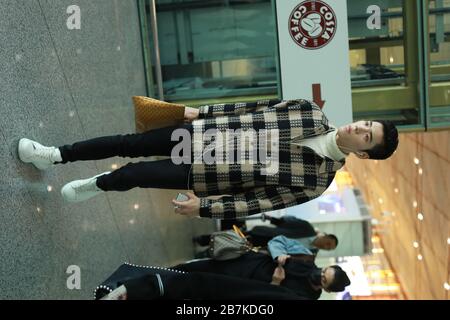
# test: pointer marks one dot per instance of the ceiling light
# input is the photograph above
(136, 206)
(416, 161)
(420, 216)
(420, 171)
(415, 244)
(114, 166)
(419, 257)
(396, 190)
(446, 286)
(415, 204)
(49, 188)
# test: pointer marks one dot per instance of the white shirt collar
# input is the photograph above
(333, 148)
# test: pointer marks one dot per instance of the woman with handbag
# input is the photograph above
(296, 272)
(130, 282)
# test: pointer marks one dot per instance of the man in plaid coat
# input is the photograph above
(306, 153)
(302, 174)
(306, 168)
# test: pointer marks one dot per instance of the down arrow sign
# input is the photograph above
(317, 95)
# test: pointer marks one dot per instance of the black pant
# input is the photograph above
(162, 174)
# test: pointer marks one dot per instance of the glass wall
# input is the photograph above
(439, 56)
(384, 61)
(215, 49)
(226, 50)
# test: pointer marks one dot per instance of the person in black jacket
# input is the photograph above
(288, 226)
(294, 228)
(301, 276)
(165, 284)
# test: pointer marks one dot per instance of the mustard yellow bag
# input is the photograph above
(152, 114)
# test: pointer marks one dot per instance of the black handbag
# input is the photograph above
(126, 272)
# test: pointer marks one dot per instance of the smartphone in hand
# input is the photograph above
(181, 197)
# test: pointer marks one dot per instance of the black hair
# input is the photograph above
(390, 142)
(340, 281)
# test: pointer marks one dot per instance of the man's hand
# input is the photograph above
(190, 207)
(190, 114)
(278, 275)
(282, 259)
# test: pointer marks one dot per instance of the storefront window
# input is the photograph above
(215, 49)
(384, 61)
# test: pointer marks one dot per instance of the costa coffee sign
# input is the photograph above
(312, 24)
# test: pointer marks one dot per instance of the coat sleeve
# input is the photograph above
(282, 245)
(256, 200)
(278, 246)
(240, 108)
(233, 109)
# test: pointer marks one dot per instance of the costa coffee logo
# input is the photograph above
(312, 24)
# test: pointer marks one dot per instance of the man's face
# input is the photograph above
(327, 278)
(358, 136)
(326, 243)
(329, 244)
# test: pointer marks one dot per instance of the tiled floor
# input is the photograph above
(58, 86)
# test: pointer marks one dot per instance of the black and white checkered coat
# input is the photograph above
(241, 189)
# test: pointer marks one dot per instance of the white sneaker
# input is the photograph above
(81, 190)
(40, 156)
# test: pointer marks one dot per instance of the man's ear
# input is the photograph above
(362, 155)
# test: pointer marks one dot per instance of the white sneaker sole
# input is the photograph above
(20, 149)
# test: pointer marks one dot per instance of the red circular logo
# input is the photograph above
(312, 24)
